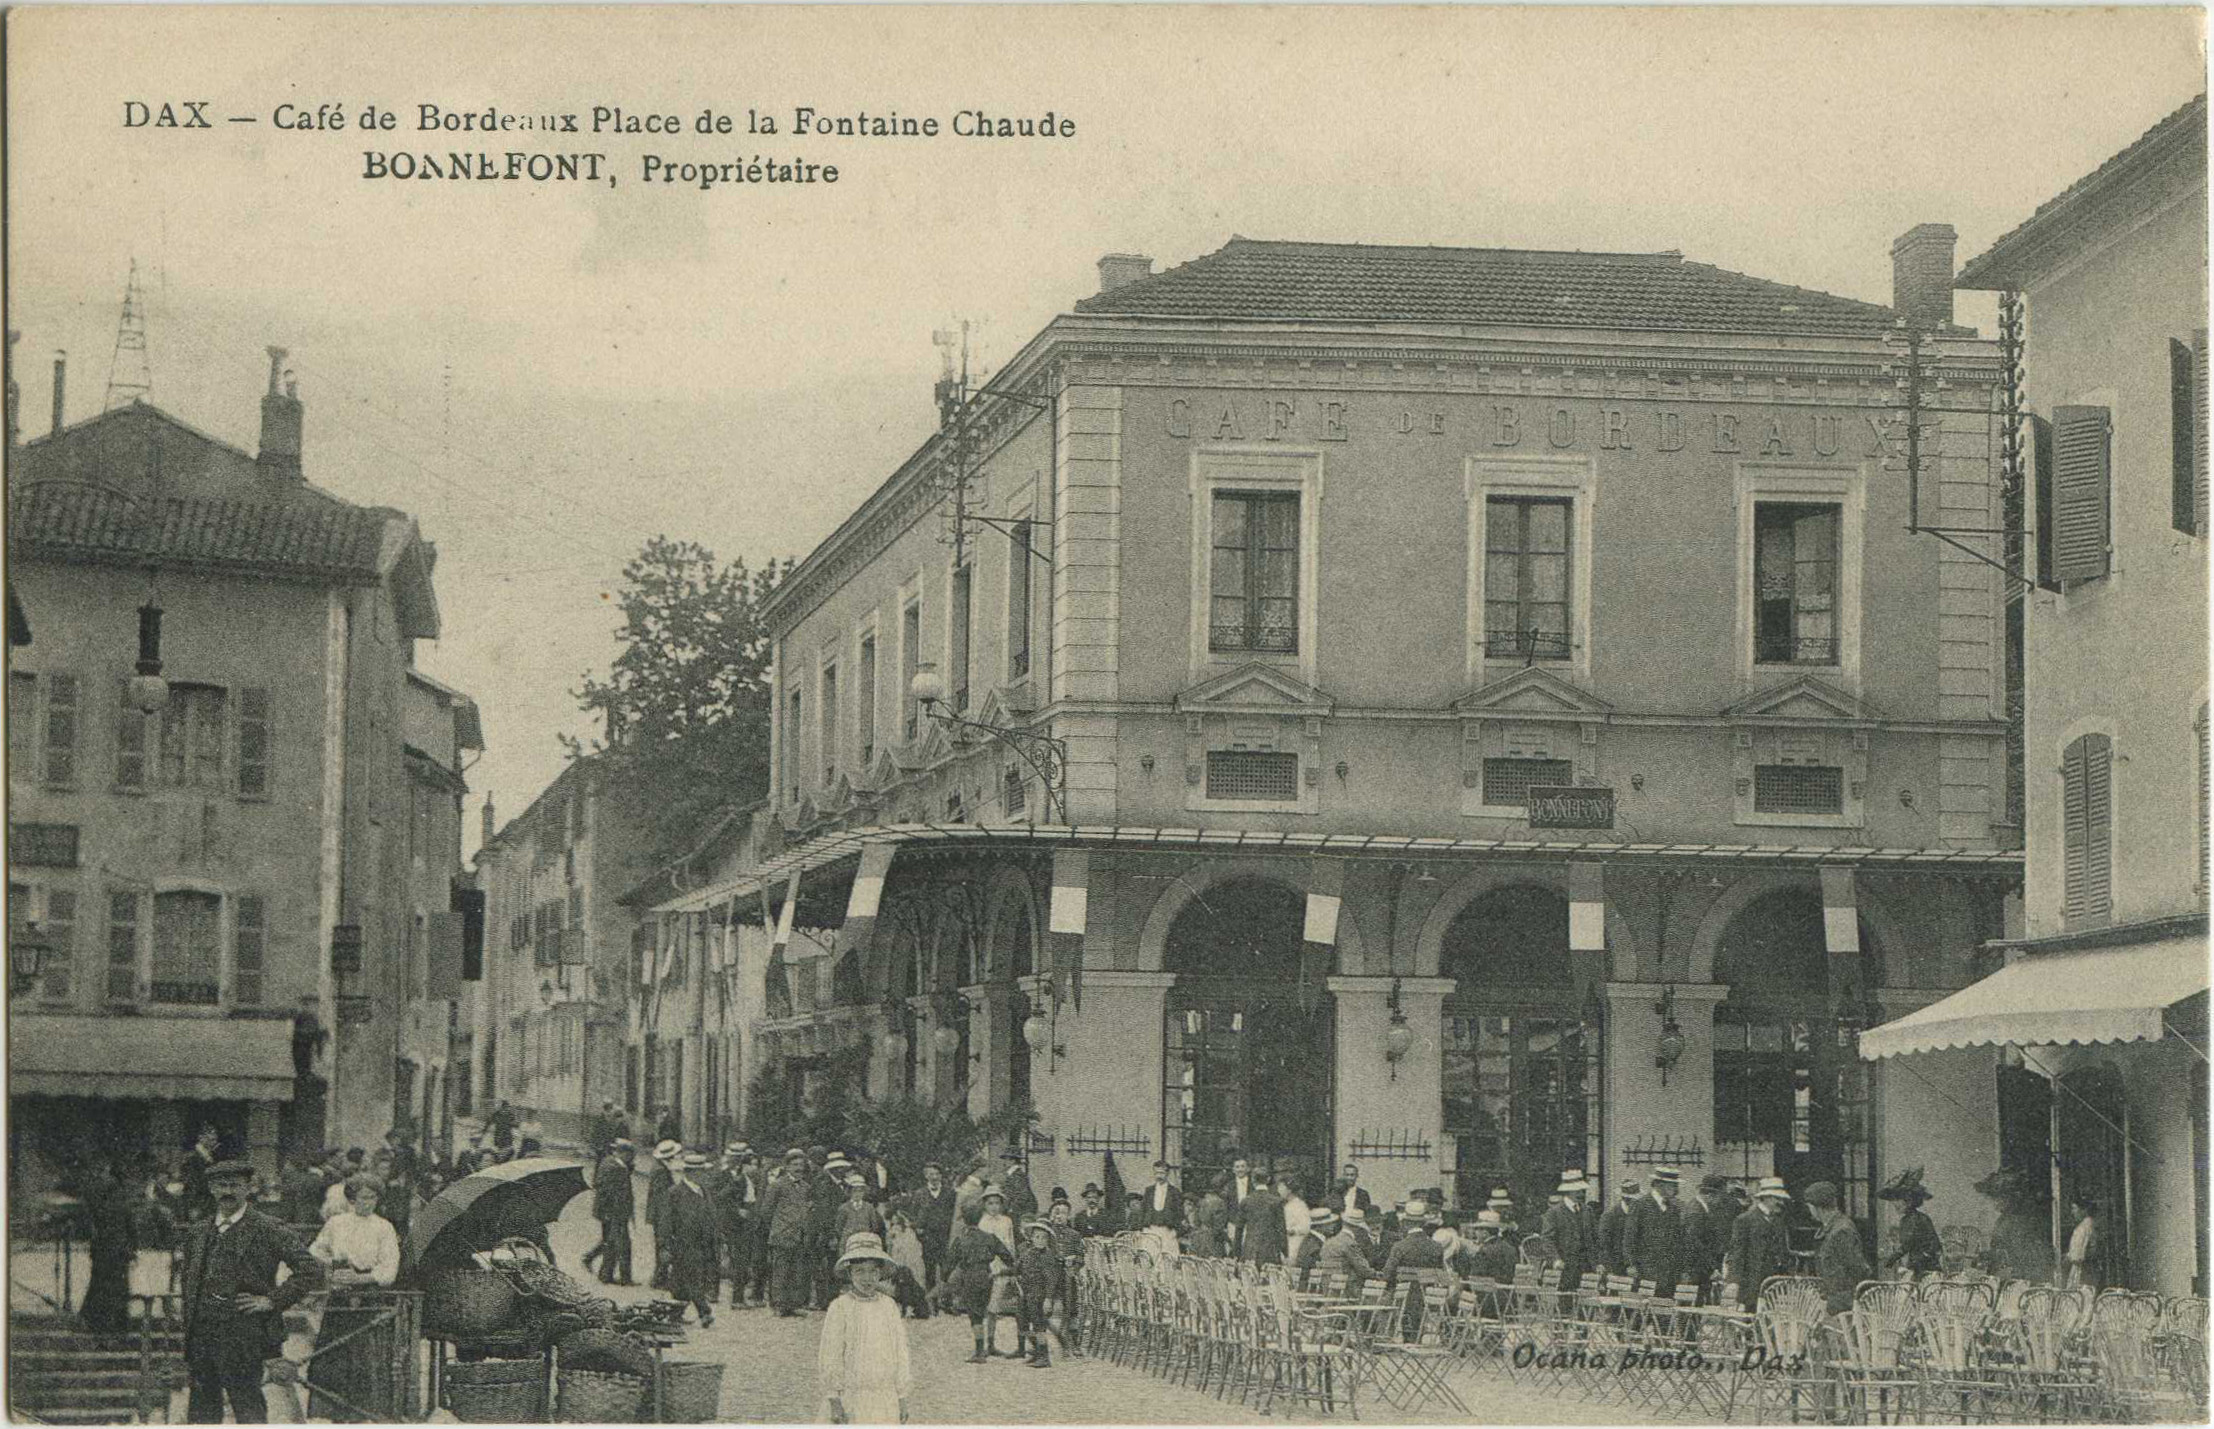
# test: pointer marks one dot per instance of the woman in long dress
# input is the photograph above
(861, 1369)
(363, 1252)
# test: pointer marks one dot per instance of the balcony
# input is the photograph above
(1794, 650)
(1525, 645)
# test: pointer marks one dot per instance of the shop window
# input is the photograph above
(1795, 579)
(1254, 577)
(1526, 582)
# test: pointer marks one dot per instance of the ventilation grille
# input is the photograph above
(1252, 774)
(1798, 789)
(1508, 781)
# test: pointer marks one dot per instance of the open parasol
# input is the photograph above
(479, 1210)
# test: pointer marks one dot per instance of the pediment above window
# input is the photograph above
(883, 771)
(1254, 689)
(1803, 698)
(1531, 693)
(925, 749)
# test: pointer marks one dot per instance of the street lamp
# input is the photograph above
(148, 690)
(1670, 1049)
(1398, 1036)
(1047, 757)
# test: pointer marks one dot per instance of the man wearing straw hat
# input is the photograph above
(1614, 1227)
(1322, 1223)
(1758, 1245)
(1707, 1233)
(784, 1212)
(862, 1370)
(1564, 1226)
(694, 1237)
(1654, 1240)
(665, 1155)
(1495, 1255)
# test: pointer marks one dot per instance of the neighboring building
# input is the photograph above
(220, 869)
(548, 1034)
(445, 931)
(2104, 1004)
(1318, 561)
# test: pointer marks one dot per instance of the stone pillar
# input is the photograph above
(1397, 1103)
(1637, 1107)
(1086, 594)
(986, 1025)
(1110, 1082)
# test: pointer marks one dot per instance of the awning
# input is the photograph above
(163, 1058)
(2096, 995)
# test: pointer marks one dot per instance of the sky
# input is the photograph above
(547, 375)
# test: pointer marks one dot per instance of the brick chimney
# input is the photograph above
(280, 421)
(1118, 270)
(1922, 275)
(61, 375)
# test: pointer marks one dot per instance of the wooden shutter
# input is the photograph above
(2206, 804)
(253, 743)
(2198, 432)
(2080, 492)
(123, 919)
(2098, 818)
(61, 729)
(2072, 844)
(130, 742)
(2182, 413)
(2041, 499)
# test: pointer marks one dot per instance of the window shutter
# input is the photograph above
(2041, 499)
(2198, 432)
(2080, 482)
(2182, 413)
(253, 743)
(250, 940)
(122, 947)
(61, 955)
(61, 729)
(2206, 805)
(130, 742)
(2072, 842)
(2098, 819)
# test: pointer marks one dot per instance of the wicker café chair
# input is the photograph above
(1877, 1383)
(1787, 1327)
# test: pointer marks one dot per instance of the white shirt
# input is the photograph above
(1160, 1195)
(334, 1200)
(222, 1224)
(366, 1243)
(1297, 1219)
(2079, 1242)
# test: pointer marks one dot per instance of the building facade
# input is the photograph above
(445, 937)
(218, 862)
(2100, 1020)
(1494, 717)
(549, 1031)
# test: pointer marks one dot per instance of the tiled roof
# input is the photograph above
(2180, 128)
(1354, 282)
(318, 539)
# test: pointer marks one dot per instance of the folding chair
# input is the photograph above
(1408, 1375)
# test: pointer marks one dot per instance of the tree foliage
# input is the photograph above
(904, 1131)
(684, 710)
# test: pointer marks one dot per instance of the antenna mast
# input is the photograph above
(130, 378)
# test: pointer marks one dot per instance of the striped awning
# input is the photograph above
(2096, 995)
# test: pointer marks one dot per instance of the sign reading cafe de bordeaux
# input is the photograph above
(1559, 426)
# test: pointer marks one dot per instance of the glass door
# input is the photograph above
(1521, 1096)
(1246, 1074)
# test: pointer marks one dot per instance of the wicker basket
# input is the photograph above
(498, 1401)
(606, 1351)
(691, 1391)
(519, 1371)
(583, 1396)
(464, 1302)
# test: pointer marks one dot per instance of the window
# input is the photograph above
(2081, 451)
(187, 949)
(1254, 589)
(1507, 781)
(2087, 840)
(61, 730)
(1795, 600)
(22, 725)
(123, 918)
(60, 964)
(253, 744)
(249, 948)
(957, 646)
(865, 693)
(1018, 599)
(2183, 439)
(1252, 774)
(1526, 578)
(2041, 500)
(576, 906)
(1798, 789)
(910, 650)
(1012, 798)
(794, 748)
(830, 725)
(192, 737)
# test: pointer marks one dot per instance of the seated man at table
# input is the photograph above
(1322, 1223)
(1414, 1250)
(1495, 1255)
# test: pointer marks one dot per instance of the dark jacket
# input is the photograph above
(657, 1193)
(1758, 1249)
(1261, 1227)
(1495, 1259)
(1918, 1243)
(1171, 1215)
(1343, 1252)
(1614, 1227)
(933, 1216)
(969, 1267)
(694, 1240)
(1564, 1226)
(824, 1196)
(729, 1189)
(1104, 1221)
(1653, 1243)
(784, 1209)
(852, 1220)
(243, 1261)
(1842, 1264)
(1022, 1202)
(1309, 1252)
(199, 1201)
(1414, 1251)
(1706, 1239)
(614, 1195)
(1041, 1274)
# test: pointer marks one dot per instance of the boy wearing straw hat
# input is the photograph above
(862, 1371)
(1044, 1281)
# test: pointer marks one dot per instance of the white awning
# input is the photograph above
(2094, 995)
(161, 1058)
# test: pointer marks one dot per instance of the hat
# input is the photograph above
(1321, 1219)
(1060, 1195)
(736, 1148)
(837, 1163)
(1489, 1220)
(1822, 1195)
(1713, 1181)
(1416, 1209)
(694, 1160)
(1628, 1188)
(667, 1150)
(1773, 1186)
(624, 1143)
(232, 1170)
(993, 1192)
(1666, 1176)
(795, 1154)
(1091, 1188)
(1355, 1216)
(1037, 1225)
(1572, 1180)
(1906, 1186)
(863, 1245)
(856, 1179)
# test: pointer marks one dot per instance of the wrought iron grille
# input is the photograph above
(1795, 650)
(1252, 774)
(1508, 781)
(1268, 637)
(1537, 644)
(1798, 789)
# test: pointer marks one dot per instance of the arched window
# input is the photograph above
(1238, 928)
(1014, 953)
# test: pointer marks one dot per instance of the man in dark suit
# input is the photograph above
(1348, 1194)
(1840, 1260)
(1758, 1243)
(1654, 1239)
(234, 1304)
(784, 1212)
(1261, 1225)
(1160, 1204)
(1707, 1234)
(1241, 1185)
(1097, 1218)
(1614, 1227)
(1564, 1226)
(614, 1200)
(933, 1213)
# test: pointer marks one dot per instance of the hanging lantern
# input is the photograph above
(148, 690)
(1398, 1036)
(945, 1039)
(1035, 1032)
